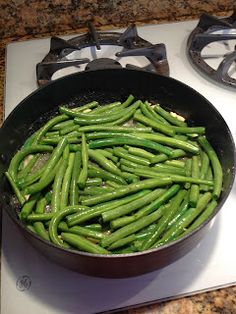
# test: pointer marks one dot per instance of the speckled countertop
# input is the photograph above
(24, 19)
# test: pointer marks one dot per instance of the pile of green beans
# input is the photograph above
(115, 178)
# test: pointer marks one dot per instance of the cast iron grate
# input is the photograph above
(209, 31)
(130, 43)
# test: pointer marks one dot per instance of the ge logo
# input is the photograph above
(23, 283)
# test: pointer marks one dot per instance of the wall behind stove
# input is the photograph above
(30, 17)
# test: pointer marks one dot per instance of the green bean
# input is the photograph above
(40, 217)
(57, 184)
(55, 141)
(122, 221)
(154, 114)
(121, 152)
(182, 209)
(54, 158)
(84, 158)
(161, 200)
(130, 141)
(148, 111)
(47, 176)
(31, 178)
(168, 169)
(112, 184)
(67, 181)
(62, 226)
(21, 154)
(48, 126)
(28, 206)
(87, 232)
(95, 171)
(52, 134)
(109, 128)
(126, 117)
(96, 190)
(45, 217)
(29, 141)
(73, 134)
(74, 194)
(102, 161)
(89, 105)
(100, 118)
(116, 105)
(149, 173)
(131, 228)
(188, 170)
(128, 163)
(103, 135)
(155, 125)
(175, 163)
(194, 189)
(189, 130)
(53, 225)
(130, 177)
(67, 130)
(41, 205)
(130, 207)
(21, 198)
(66, 153)
(31, 228)
(108, 155)
(170, 118)
(99, 209)
(185, 220)
(28, 167)
(148, 209)
(61, 125)
(82, 243)
(203, 217)
(216, 166)
(204, 165)
(170, 141)
(93, 182)
(182, 137)
(95, 227)
(139, 152)
(164, 220)
(122, 242)
(40, 230)
(162, 157)
(109, 106)
(131, 188)
(71, 112)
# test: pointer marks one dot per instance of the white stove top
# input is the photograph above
(32, 284)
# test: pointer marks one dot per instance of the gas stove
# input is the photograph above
(95, 50)
(39, 286)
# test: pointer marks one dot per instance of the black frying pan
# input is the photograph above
(109, 85)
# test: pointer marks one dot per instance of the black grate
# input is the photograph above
(132, 43)
(210, 30)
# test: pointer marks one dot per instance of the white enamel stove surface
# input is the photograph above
(32, 284)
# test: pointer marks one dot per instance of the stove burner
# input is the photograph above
(128, 42)
(211, 30)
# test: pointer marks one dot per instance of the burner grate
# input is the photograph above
(130, 43)
(211, 30)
